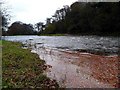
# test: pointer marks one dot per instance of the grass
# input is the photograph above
(0, 42)
(0, 64)
(23, 69)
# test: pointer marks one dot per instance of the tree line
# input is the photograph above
(99, 18)
(19, 28)
(83, 18)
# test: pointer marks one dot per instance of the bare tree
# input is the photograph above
(4, 18)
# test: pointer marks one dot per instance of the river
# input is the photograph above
(71, 59)
(92, 43)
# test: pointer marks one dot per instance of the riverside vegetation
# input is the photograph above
(80, 18)
(23, 69)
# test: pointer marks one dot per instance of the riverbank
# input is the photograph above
(103, 68)
(53, 34)
(85, 70)
(0, 64)
(70, 59)
(23, 69)
(84, 34)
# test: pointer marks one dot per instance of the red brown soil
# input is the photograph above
(104, 68)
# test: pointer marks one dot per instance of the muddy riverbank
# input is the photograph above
(77, 61)
(80, 70)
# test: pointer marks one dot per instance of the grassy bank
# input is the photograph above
(85, 34)
(0, 64)
(0, 42)
(23, 69)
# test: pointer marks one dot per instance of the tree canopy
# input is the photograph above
(19, 28)
(99, 18)
(83, 18)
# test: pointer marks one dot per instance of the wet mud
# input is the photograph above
(74, 69)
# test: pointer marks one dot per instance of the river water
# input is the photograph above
(109, 45)
(70, 68)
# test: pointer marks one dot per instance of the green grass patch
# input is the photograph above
(23, 69)
(0, 42)
(0, 64)
(0, 52)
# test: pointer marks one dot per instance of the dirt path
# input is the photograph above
(80, 70)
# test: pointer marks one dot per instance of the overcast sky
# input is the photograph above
(33, 11)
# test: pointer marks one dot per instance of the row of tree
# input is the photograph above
(100, 18)
(16, 28)
(19, 28)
